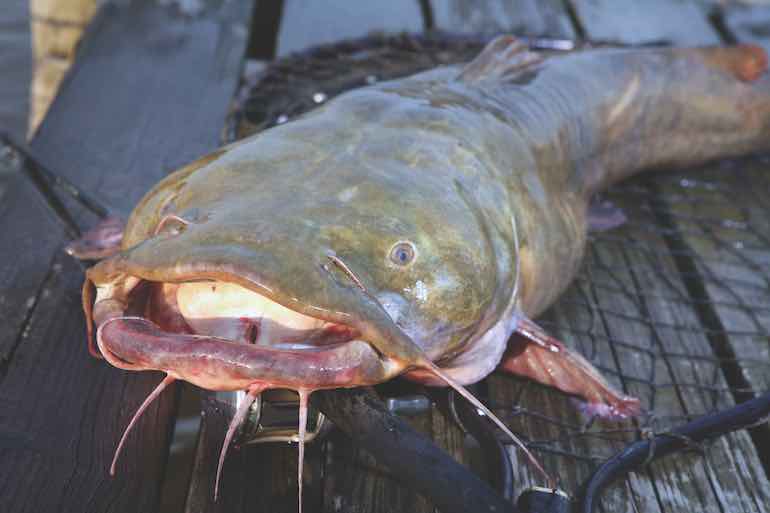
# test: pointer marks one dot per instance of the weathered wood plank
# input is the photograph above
(631, 294)
(16, 63)
(523, 17)
(749, 23)
(355, 481)
(23, 212)
(209, 41)
(726, 242)
(652, 311)
(129, 111)
(306, 23)
(636, 21)
(734, 259)
(255, 478)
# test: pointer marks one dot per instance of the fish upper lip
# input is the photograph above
(330, 299)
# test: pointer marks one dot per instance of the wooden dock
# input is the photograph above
(674, 306)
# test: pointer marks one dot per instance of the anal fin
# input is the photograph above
(534, 354)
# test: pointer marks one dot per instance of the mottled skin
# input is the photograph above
(425, 219)
(456, 162)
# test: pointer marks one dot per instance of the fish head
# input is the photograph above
(300, 280)
(281, 263)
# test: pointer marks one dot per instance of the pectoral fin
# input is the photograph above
(536, 355)
(505, 59)
(101, 241)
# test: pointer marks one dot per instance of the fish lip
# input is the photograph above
(136, 343)
(120, 268)
(338, 302)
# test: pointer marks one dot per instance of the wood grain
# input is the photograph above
(524, 17)
(129, 111)
(306, 23)
(637, 22)
(748, 23)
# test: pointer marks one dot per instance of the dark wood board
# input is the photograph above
(16, 63)
(725, 244)
(524, 17)
(176, 114)
(130, 110)
(306, 23)
(631, 292)
(748, 23)
(23, 212)
(645, 21)
(255, 478)
(731, 261)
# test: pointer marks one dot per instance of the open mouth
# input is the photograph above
(222, 336)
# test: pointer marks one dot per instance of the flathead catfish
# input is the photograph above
(411, 227)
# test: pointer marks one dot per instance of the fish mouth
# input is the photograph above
(361, 344)
(220, 335)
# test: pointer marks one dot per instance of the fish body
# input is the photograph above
(411, 227)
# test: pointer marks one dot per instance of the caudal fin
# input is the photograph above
(745, 62)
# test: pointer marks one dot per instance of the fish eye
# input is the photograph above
(403, 253)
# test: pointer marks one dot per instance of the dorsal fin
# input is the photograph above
(502, 60)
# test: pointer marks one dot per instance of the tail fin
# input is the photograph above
(676, 107)
(745, 62)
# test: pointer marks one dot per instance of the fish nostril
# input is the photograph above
(337, 262)
(171, 224)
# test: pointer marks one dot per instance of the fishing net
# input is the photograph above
(673, 306)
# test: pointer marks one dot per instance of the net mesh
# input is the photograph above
(673, 306)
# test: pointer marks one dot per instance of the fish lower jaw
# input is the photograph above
(220, 336)
(135, 343)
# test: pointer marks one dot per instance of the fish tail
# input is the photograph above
(745, 62)
(604, 115)
(678, 107)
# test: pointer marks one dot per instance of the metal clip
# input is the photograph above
(274, 417)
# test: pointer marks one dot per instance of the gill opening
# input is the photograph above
(88, 297)
(517, 256)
